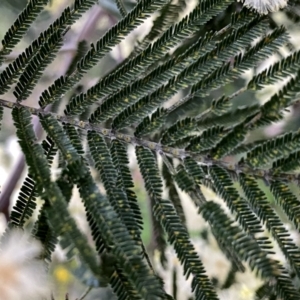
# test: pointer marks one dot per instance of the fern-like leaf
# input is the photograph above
(120, 161)
(67, 18)
(267, 215)
(20, 26)
(97, 51)
(109, 176)
(202, 13)
(244, 245)
(57, 213)
(26, 203)
(165, 212)
(113, 233)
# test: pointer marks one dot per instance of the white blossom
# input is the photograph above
(22, 275)
(265, 6)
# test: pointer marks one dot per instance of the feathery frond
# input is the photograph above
(20, 26)
(181, 100)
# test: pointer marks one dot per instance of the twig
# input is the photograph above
(158, 147)
(85, 293)
(9, 188)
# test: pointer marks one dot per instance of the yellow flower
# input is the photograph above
(62, 275)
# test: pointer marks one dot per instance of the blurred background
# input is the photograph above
(90, 28)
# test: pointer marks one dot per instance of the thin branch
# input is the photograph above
(10, 186)
(85, 293)
(157, 147)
